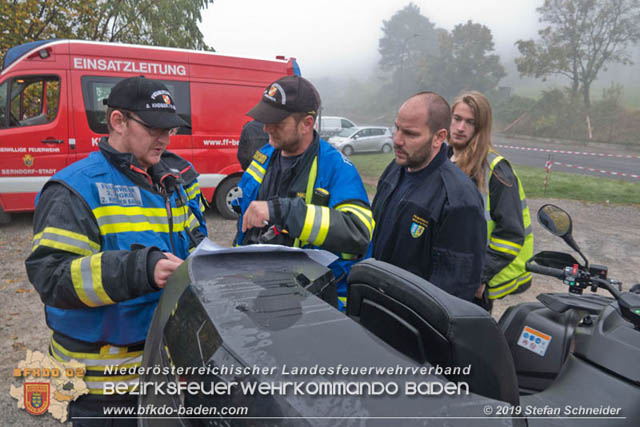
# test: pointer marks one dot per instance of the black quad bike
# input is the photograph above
(249, 318)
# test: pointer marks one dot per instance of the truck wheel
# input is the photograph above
(347, 151)
(386, 148)
(225, 194)
(5, 218)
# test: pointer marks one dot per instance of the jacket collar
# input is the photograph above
(152, 179)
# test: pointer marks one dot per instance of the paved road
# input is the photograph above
(610, 161)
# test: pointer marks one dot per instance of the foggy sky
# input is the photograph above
(334, 37)
(339, 38)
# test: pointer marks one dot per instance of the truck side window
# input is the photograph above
(33, 100)
(95, 89)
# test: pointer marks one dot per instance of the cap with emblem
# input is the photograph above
(291, 94)
(149, 99)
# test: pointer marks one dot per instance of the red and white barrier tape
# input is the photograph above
(569, 165)
(581, 153)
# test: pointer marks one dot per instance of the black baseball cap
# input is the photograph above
(291, 94)
(149, 99)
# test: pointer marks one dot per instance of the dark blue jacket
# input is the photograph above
(437, 230)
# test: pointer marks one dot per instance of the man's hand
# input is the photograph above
(480, 291)
(164, 268)
(257, 215)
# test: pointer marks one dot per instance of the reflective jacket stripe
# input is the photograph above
(96, 361)
(116, 219)
(95, 384)
(98, 387)
(513, 275)
(504, 246)
(500, 291)
(193, 222)
(256, 171)
(86, 275)
(65, 240)
(316, 225)
(193, 192)
(311, 181)
(363, 214)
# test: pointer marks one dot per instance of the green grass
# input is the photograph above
(561, 185)
(371, 165)
(630, 93)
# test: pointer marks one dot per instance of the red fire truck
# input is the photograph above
(51, 110)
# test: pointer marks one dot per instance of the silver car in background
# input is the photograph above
(363, 139)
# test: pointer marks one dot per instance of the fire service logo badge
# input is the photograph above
(36, 398)
(28, 160)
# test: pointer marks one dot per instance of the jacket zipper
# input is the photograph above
(167, 204)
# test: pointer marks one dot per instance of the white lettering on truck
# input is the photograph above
(120, 65)
(225, 142)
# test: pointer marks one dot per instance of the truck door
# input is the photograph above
(34, 134)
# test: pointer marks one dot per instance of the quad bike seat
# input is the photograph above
(432, 327)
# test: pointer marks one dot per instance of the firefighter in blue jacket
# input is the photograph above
(108, 231)
(298, 190)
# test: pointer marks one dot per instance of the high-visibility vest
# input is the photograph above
(513, 275)
(126, 214)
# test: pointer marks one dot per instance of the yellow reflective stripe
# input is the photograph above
(364, 215)
(118, 219)
(308, 222)
(324, 226)
(348, 257)
(256, 171)
(193, 222)
(96, 276)
(76, 279)
(505, 289)
(316, 225)
(100, 390)
(311, 181)
(114, 378)
(193, 190)
(65, 240)
(504, 246)
(343, 299)
(91, 359)
(495, 161)
(96, 367)
(86, 276)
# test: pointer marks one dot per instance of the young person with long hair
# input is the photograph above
(509, 234)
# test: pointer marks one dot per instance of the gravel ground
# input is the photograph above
(608, 235)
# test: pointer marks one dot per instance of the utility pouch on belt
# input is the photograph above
(320, 197)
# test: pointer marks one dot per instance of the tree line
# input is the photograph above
(579, 39)
(172, 23)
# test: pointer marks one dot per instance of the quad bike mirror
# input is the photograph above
(554, 219)
(559, 223)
